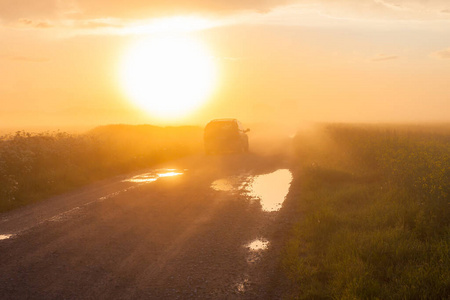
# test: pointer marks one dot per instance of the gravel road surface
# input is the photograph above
(191, 229)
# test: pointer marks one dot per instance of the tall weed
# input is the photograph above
(36, 165)
(374, 215)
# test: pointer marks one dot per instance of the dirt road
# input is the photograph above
(195, 228)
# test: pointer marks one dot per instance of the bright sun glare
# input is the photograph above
(168, 76)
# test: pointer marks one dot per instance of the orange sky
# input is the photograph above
(280, 61)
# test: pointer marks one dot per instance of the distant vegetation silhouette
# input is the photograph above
(36, 165)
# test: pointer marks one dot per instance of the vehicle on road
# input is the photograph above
(225, 136)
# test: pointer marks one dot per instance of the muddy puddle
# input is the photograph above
(231, 184)
(256, 249)
(154, 175)
(258, 245)
(270, 189)
(242, 286)
(5, 236)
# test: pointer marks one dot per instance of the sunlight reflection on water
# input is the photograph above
(153, 176)
(169, 174)
(258, 244)
(256, 249)
(5, 236)
(271, 189)
(231, 184)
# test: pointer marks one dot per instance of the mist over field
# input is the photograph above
(282, 149)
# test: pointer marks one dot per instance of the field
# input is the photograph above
(34, 166)
(372, 213)
(369, 204)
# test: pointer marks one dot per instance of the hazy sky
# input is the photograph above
(281, 61)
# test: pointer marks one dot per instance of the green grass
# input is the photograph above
(373, 215)
(34, 166)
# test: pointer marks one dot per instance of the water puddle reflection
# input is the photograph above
(149, 177)
(170, 174)
(241, 287)
(155, 175)
(231, 184)
(271, 189)
(256, 248)
(258, 245)
(5, 236)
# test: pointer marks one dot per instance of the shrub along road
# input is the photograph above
(154, 237)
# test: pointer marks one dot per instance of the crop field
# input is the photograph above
(373, 214)
(34, 166)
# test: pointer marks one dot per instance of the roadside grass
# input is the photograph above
(34, 166)
(373, 215)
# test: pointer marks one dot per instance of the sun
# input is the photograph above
(168, 76)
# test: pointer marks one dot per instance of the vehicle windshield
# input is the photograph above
(221, 126)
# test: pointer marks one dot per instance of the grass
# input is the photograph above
(34, 166)
(373, 215)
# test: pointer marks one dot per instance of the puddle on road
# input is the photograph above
(170, 173)
(271, 189)
(223, 185)
(256, 248)
(5, 236)
(258, 244)
(153, 176)
(242, 286)
(143, 178)
(231, 184)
